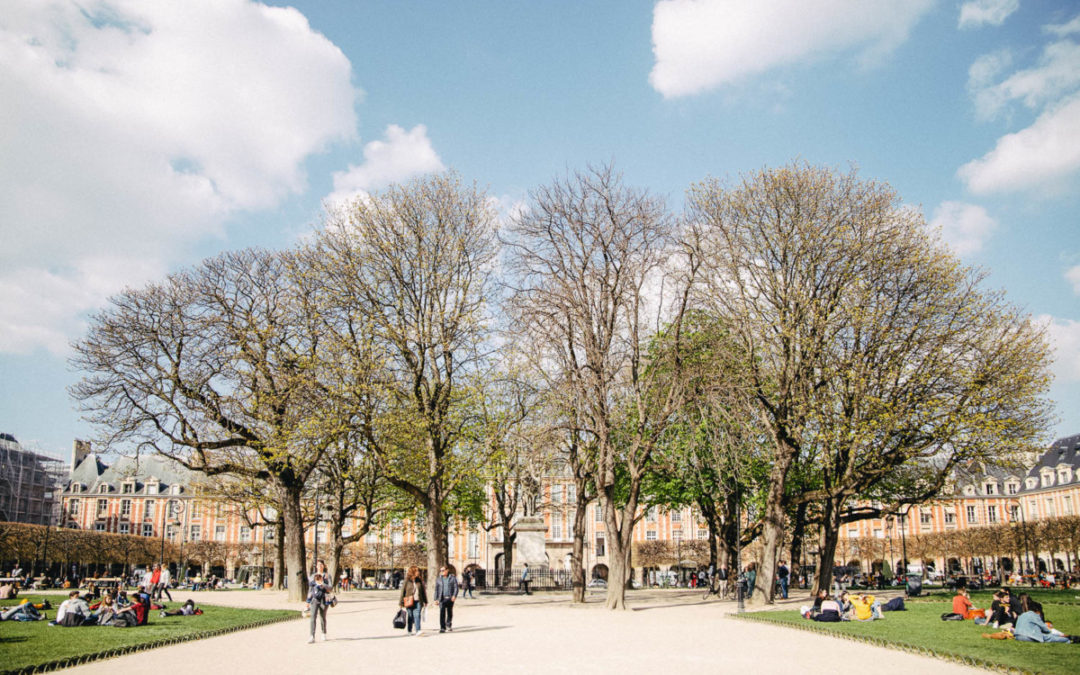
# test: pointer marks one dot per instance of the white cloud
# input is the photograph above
(1063, 29)
(1072, 275)
(986, 12)
(1057, 73)
(1064, 337)
(403, 155)
(701, 44)
(1038, 156)
(141, 128)
(964, 227)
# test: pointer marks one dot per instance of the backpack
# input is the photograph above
(952, 616)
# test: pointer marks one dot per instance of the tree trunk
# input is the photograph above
(773, 524)
(798, 532)
(294, 544)
(619, 539)
(437, 554)
(830, 526)
(577, 562)
(336, 547)
(279, 555)
(508, 557)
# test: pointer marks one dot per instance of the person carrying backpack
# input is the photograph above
(317, 603)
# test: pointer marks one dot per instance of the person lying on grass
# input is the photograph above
(1031, 626)
(24, 611)
(828, 609)
(187, 609)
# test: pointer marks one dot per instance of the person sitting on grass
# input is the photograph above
(1001, 614)
(187, 609)
(1031, 626)
(103, 612)
(829, 613)
(72, 612)
(24, 611)
(867, 607)
(8, 591)
(847, 610)
(961, 603)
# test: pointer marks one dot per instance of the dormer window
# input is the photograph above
(990, 488)
(1012, 487)
(175, 489)
(1032, 482)
(1064, 474)
(103, 488)
(1047, 477)
(76, 488)
(153, 486)
(128, 487)
(969, 490)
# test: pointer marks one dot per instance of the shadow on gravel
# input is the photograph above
(430, 633)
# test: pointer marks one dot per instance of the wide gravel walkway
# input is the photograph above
(668, 632)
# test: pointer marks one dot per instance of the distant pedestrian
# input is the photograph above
(467, 584)
(446, 590)
(317, 603)
(525, 579)
(751, 579)
(413, 598)
(782, 574)
(163, 584)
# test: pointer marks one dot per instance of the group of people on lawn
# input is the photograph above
(845, 606)
(97, 609)
(1017, 616)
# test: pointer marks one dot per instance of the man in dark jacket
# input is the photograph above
(446, 590)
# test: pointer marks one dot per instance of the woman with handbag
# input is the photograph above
(318, 600)
(413, 598)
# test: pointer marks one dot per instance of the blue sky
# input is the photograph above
(137, 138)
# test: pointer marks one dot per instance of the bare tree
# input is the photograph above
(214, 368)
(412, 266)
(588, 259)
(868, 346)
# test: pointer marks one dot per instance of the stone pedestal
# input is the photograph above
(529, 545)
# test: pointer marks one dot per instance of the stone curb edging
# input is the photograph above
(881, 642)
(81, 659)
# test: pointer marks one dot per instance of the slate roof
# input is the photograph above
(92, 473)
(1064, 451)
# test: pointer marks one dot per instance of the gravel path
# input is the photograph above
(668, 632)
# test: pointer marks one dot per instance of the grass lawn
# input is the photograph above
(920, 628)
(27, 644)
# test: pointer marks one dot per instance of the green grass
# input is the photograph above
(25, 645)
(921, 629)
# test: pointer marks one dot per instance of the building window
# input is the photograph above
(99, 526)
(1063, 476)
(245, 534)
(676, 516)
(102, 507)
(1066, 506)
(372, 537)
(474, 545)
(556, 494)
(125, 508)
(990, 488)
(556, 527)
(103, 489)
(1047, 477)
(174, 506)
(125, 528)
(652, 514)
(601, 549)
(599, 514)
(73, 507)
(147, 530)
(1013, 487)
(702, 534)
(950, 518)
(148, 508)
(1050, 507)
(219, 533)
(571, 494)
(1014, 512)
(196, 508)
(991, 514)
(924, 517)
(196, 532)
(650, 535)
(128, 488)
(972, 515)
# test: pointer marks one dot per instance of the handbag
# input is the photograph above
(331, 601)
(399, 619)
(409, 601)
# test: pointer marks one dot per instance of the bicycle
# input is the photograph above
(718, 587)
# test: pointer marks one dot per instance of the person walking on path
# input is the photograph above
(413, 598)
(446, 590)
(317, 603)
(467, 584)
(782, 574)
(163, 584)
(525, 579)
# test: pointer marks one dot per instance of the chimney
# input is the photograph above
(79, 452)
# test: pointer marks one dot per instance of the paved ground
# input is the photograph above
(668, 632)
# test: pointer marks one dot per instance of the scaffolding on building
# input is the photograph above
(30, 484)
